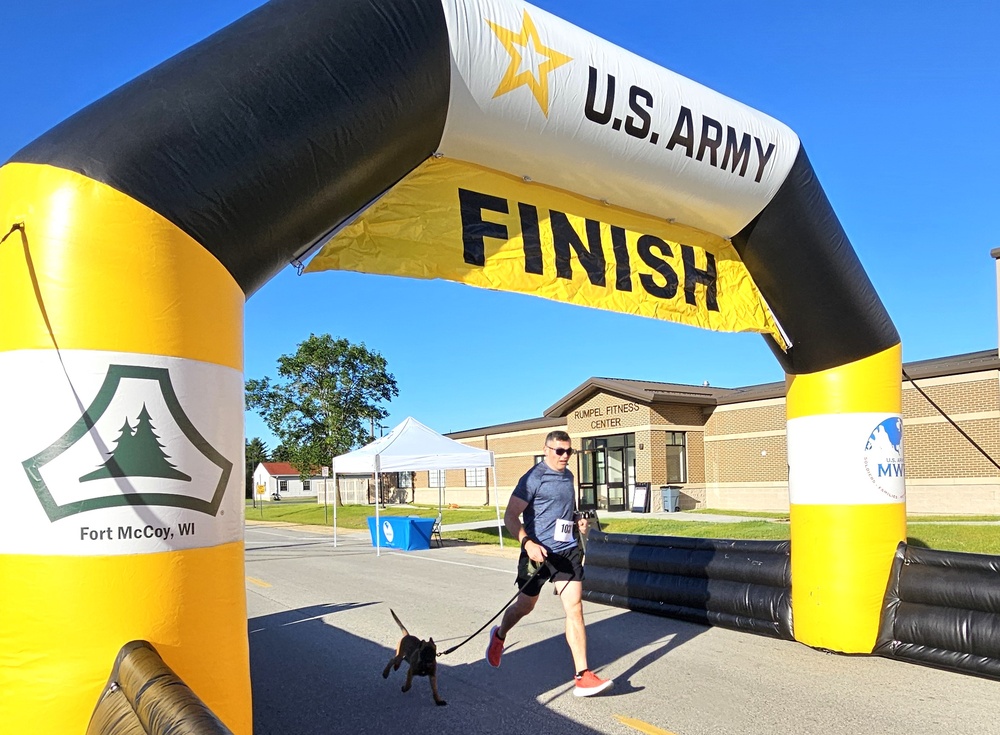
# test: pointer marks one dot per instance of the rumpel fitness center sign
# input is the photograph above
(606, 417)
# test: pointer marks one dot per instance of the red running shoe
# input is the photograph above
(495, 649)
(588, 684)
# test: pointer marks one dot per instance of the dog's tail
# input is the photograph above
(399, 622)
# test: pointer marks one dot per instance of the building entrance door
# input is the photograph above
(590, 470)
(606, 469)
(616, 478)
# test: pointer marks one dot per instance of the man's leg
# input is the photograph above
(521, 607)
(571, 594)
(587, 683)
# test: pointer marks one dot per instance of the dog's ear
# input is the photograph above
(430, 640)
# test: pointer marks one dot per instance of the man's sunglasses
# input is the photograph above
(560, 451)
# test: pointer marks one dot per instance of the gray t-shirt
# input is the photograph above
(550, 496)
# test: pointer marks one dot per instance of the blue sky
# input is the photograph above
(896, 104)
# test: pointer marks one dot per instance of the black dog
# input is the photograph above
(420, 655)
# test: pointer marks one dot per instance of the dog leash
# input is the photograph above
(531, 579)
(546, 565)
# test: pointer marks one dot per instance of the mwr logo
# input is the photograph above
(884, 458)
(136, 429)
(387, 531)
(531, 61)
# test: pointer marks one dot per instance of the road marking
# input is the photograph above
(291, 544)
(641, 726)
(258, 582)
(282, 535)
(456, 563)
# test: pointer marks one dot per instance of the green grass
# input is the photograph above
(949, 519)
(945, 533)
(763, 530)
(956, 537)
(784, 516)
(355, 516)
(742, 513)
(690, 529)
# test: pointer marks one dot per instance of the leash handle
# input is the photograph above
(531, 579)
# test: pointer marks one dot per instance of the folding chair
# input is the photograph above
(436, 533)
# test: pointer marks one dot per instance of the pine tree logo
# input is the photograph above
(137, 452)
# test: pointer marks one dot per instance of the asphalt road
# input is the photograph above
(320, 634)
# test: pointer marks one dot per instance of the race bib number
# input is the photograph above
(564, 530)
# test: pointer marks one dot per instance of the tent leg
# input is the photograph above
(496, 497)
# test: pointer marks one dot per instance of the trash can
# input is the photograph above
(406, 533)
(671, 497)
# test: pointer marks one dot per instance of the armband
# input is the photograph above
(525, 540)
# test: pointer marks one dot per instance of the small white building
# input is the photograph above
(281, 479)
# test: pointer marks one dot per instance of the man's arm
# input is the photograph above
(512, 520)
(512, 517)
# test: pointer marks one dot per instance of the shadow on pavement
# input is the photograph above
(310, 677)
(544, 670)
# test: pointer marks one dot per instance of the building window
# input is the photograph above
(305, 486)
(539, 458)
(282, 486)
(676, 456)
(404, 479)
(435, 478)
(475, 477)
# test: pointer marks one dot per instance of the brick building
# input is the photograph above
(725, 447)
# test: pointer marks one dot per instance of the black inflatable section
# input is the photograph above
(804, 265)
(269, 134)
(744, 585)
(144, 696)
(942, 609)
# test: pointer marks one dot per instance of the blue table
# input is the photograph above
(406, 533)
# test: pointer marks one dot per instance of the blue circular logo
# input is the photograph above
(884, 458)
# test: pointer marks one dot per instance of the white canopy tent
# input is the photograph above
(412, 447)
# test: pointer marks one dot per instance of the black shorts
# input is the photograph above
(564, 567)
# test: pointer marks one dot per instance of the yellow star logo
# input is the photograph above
(526, 51)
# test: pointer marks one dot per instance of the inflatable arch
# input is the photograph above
(484, 141)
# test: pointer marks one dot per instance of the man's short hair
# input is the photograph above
(557, 436)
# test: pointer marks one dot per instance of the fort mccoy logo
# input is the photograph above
(95, 468)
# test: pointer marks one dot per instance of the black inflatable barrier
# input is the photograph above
(144, 696)
(743, 585)
(942, 609)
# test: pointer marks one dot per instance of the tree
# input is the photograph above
(330, 392)
(256, 452)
